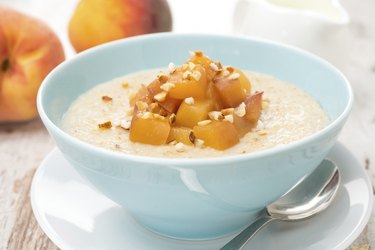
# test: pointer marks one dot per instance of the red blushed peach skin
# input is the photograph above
(29, 50)
(96, 21)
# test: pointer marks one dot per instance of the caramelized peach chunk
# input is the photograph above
(212, 68)
(188, 115)
(155, 87)
(181, 134)
(217, 134)
(170, 104)
(177, 107)
(188, 83)
(253, 107)
(149, 129)
(230, 91)
(213, 95)
(242, 125)
(142, 95)
(245, 82)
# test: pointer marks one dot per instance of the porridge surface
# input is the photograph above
(289, 114)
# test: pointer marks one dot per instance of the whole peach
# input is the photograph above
(29, 50)
(99, 21)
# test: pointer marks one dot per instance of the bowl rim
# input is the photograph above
(201, 160)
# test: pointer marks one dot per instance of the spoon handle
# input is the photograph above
(248, 233)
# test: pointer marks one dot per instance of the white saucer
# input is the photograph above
(75, 216)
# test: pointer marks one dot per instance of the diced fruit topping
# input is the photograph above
(189, 82)
(142, 95)
(212, 68)
(149, 129)
(245, 83)
(253, 107)
(181, 134)
(217, 134)
(230, 90)
(200, 104)
(189, 115)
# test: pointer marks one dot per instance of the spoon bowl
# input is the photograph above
(311, 195)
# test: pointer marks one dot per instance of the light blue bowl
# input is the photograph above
(194, 198)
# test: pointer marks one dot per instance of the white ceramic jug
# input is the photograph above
(320, 26)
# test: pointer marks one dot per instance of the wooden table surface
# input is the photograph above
(23, 146)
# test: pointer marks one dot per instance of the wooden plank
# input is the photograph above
(26, 234)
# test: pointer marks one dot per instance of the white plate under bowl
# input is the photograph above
(75, 216)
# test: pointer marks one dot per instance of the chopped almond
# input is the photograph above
(161, 96)
(204, 123)
(189, 100)
(105, 125)
(106, 98)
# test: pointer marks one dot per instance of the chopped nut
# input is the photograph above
(171, 68)
(174, 142)
(180, 147)
(172, 118)
(229, 118)
(234, 76)
(228, 111)
(191, 65)
(153, 106)
(199, 53)
(243, 152)
(186, 75)
(196, 75)
(192, 53)
(189, 100)
(240, 110)
(184, 66)
(262, 132)
(167, 86)
(214, 67)
(125, 85)
(147, 115)
(226, 73)
(163, 78)
(157, 116)
(215, 115)
(105, 125)
(204, 122)
(125, 124)
(141, 105)
(191, 137)
(106, 98)
(161, 96)
(199, 143)
(230, 69)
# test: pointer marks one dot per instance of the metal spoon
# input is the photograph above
(308, 197)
